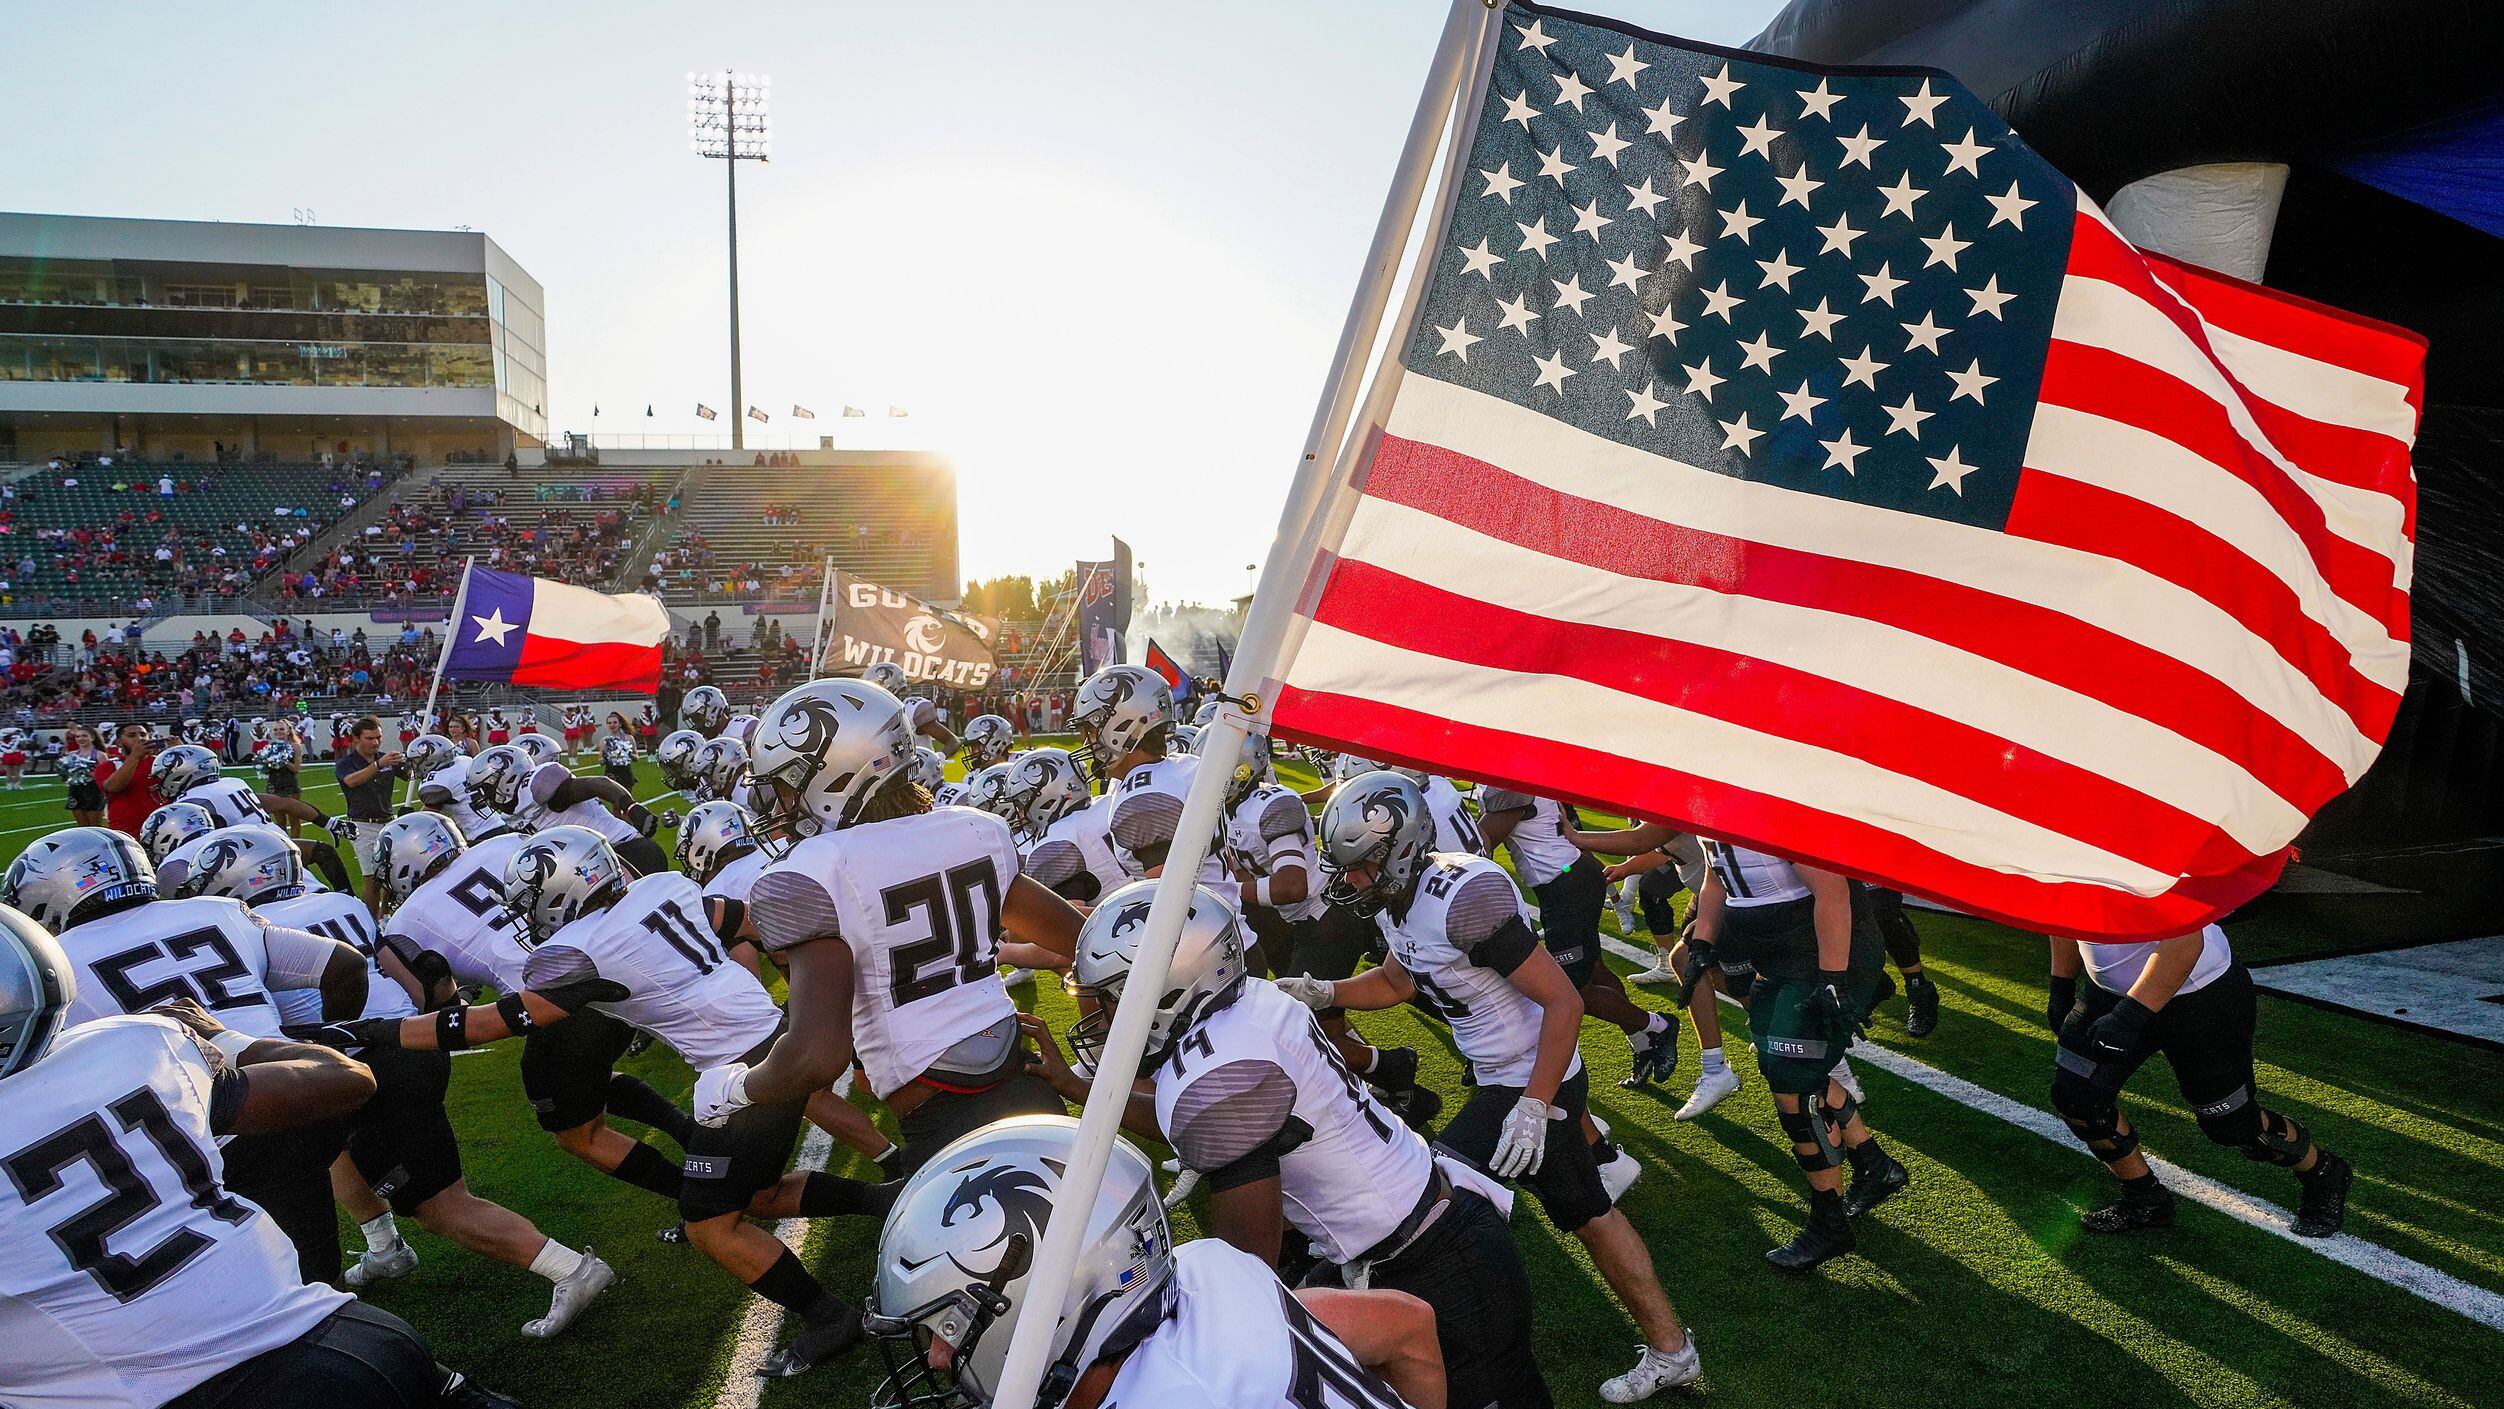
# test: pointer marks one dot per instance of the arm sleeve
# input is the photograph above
(734, 914)
(1054, 861)
(1143, 824)
(545, 781)
(555, 965)
(297, 958)
(1236, 1122)
(1484, 921)
(1287, 834)
(788, 908)
(1494, 800)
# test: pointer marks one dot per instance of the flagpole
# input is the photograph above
(1467, 32)
(817, 637)
(443, 656)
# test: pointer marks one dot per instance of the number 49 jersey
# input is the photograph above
(1238, 1339)
(338, 915)
(918, 900)
(127, 1274)
(230, 800)
(680, 985)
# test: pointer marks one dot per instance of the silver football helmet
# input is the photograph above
(428, 752)
(1184, 739)
(705, 710)
(559, 876)
(719, 764)
(1350, 766)
(1046, 786)
(1207, 971)
(180, 769)
(992, 790)
(1251, 769)
(676, 757)
(888, 676)
(76, 874)
(173, 824)
(538, 748)
(929, 769)
(496, 778)
(252, 864)
(1119, 709)
(1205, 714)
(412, 849)
(987, 740)
(715, 834)
(960, 1243)
(36, 986)
(1373, 840)
(824, 751)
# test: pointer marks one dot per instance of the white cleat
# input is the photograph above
(371, 1267)
(1656, 1371)
(1620, 1174)
(1711, 1089)
(1844, 1078)
(1017, 978)
(1659, 975)
(573, 1296)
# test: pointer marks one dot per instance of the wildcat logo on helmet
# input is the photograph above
(1024, 1203)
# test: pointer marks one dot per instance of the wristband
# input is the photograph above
(231, 1043)
(452, 1028)
(516, 1014)
(1259, 892)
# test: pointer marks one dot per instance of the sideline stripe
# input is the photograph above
(762, 1323)
(2380, 1263)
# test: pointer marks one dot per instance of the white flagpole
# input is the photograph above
(443, 656)
(1467, 30)
(825, 596)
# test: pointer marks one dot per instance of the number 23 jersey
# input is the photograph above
(917, 899)
(680, 984)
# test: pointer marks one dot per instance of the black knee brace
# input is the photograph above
(2092, 1117)
(2282, 1140)
(1837, 1117)
(1805, 1128)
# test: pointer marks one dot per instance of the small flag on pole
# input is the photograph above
(647, 410)
(595, 410)
(802, 413)
(854, 411)
(530, 631)
(898, 411)
(758, 415)
(1169, 670)
(704, 411)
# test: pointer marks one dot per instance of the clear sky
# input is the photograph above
(1100, 252)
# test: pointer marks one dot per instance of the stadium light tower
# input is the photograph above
(728, 119)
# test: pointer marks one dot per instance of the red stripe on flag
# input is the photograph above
(1784, 702)
(2104, 383)
(2298, 324)
(553, 664)
(1602, 780)
(2039, 641)
(2051, 509)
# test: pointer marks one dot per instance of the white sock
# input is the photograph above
(1714, 1061)
(381, 1233)
(556, 1261)
(1656, 1026)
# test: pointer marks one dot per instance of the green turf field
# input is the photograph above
(1974, 1287)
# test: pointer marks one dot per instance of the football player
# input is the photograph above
(1072, 852)
(1202, 1326)
(705, 710)
(890, 917)
(1251, 1095)
(676, 757)
(988, 739)
(1664, 861)
(400, 1144)
(1820, 968)
(1921, 996)
(134, 951)
(1123, 716)
(1460, 944)
(2190, 1000)
(189, 1296)
(653, 952)
(445, 788)
(171, 826)
(189, 773)
(721, 769)
(550, 795)
(931, 772)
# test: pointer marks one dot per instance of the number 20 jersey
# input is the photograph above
(917, 899)
(680, 985)
(127, 1275)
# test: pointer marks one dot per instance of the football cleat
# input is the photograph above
(2324, 1206)
(815, 1343)
(1711, 1089)
(1921, 1006)
(2132, 1213)
(1654, 1371)
(1655, 1057)
(1661, 974)
(372, 1267)
(1617, 1176)
(1874, 1181)
(459, 1391)
(1826, 1236)
(1621, 900)
(573, 1296)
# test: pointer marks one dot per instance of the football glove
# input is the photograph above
(1314, 993)
(340, 827)
(1524, 1143)
(1699, 963)
(1828, 1002)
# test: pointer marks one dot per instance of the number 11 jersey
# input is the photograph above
(680, 985)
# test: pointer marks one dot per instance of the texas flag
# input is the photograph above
(531, 631)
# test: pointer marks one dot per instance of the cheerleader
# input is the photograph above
(13, 757)
(617, 752)
(499, 730)
(577, 728)
(80, 762)
(281, 755)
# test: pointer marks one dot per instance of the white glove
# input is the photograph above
(1524, 1143)
(721, 1093)
(1314, 993)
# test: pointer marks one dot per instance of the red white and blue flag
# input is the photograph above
(1790, 453)
(531, 631)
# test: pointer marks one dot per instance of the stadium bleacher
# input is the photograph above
(886, 530)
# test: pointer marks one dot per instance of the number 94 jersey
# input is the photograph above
(1238, 1339)
(681, 986)
(127, 1273)
(918, 900)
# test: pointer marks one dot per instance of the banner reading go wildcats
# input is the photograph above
(531, 631)
(874, 624)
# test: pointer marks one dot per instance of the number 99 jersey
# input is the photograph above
(918, 900)
(681, 987)
(127, 1273)
(1238, 1339)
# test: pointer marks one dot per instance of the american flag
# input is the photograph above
(1792, 454)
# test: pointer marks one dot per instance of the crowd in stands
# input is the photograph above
(691, 567)
(284, 666)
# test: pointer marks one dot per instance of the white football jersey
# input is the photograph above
(741, 727)
(736, 878)
(542, 785)
(1456, 828)
(459, 913)
(446, 790)
(680, 986)
(2115, 967)
(1247, 1072)
(1270, 831)
(1540, 851)
(127, 1273)
(1753, 877)
(1238, 1339)
(948, 794)
(231, 801)
(1147, 806)
(1449, 942)
(337, 915)
(918, 900)
(1081, 843)
(205, 948)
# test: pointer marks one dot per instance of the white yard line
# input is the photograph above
(762, 1324)
(2383, 1265)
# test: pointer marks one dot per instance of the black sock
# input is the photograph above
(1825, 1202)
(824, 1195)
(787, 1284)
(1603, 1150)
(1866, 1154)
(634, 1099)
(647, 1168)
(2147, 1188)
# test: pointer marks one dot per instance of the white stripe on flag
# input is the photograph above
(578, 614)
(2165, 618)
(1610, 722)
(1884, 660)
(2340, 396)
